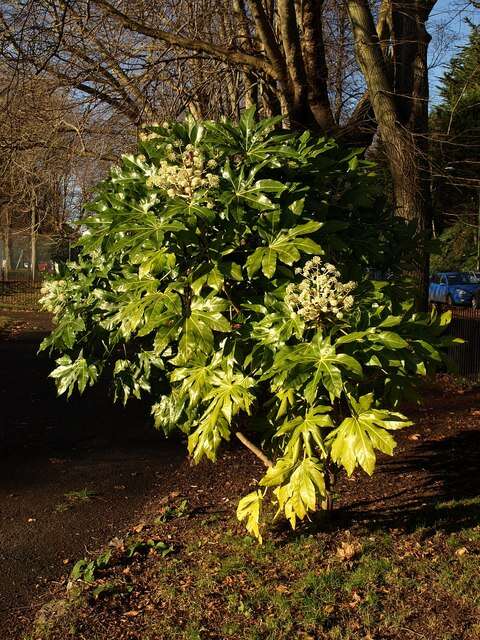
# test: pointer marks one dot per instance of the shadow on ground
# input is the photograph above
(49, 448)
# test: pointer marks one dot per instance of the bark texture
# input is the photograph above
(394, 63)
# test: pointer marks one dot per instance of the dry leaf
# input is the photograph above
(414, 436)
(348, 550)
(355, 600)
(139, 527)
(281, 588)
(131, 614)
(461, 552)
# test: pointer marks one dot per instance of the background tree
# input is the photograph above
(47, 163)
(212, 58)
(455, 124)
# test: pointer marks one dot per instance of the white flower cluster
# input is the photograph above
(54, 295)
(320, 296)
(182, 173)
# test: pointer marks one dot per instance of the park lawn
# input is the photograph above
(398, 560)
(343, 584)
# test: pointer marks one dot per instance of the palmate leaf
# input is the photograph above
(229, 394)
(129, 379)
(169, 414)
(278, 327)
(246, 190)
(156, 311)
(205, 317)
(299, 495)
(70, 374)
(249, 509)
(129, 233)
(308, 429)
(354, 442)
(315, 364)
(207, 437)
(286, 247)
(64, 334)
(197, 375)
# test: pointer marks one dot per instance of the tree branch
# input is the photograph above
(315, 65)
(216, 51)
(255, 450)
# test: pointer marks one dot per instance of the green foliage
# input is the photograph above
(455, 149)
(85, 570)
(139, 546)
(171, 512)
(457, 249)
(200, 282)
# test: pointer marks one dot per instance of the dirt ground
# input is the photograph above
(51, 447)
(110, 457)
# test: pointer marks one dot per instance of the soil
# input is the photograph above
(53, 447)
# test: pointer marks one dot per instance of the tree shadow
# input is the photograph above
(436, 485)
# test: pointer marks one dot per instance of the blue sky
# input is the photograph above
(449, 31)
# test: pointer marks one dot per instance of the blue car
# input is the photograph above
(454, 287)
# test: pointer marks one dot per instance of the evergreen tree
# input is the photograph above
(455, 124)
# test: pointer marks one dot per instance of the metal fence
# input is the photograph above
(466, 357)
(19, 291)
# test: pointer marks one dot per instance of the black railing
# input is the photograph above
(465, 324)
(20, 291)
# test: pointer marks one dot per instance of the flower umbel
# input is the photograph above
(320, 296)
(183, 173)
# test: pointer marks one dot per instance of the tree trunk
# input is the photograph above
(412, 201)
(402, 120)
(6, 265)
(33, 245)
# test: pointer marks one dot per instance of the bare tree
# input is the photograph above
(46, 159)
(353, 69)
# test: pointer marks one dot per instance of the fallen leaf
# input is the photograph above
(414, 436)
(355, 600)
(131, 614)
(281, 588)
(461, 552)
(348, 550)
(139, 527)
(117, 543)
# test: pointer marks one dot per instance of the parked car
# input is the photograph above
(454, 287)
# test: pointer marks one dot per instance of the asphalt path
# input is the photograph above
(72, 473)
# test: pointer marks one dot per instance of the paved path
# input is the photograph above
(50, 447)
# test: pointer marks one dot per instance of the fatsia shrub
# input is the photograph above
(223, 271)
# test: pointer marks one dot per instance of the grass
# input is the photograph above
(397, 585)
(74, 498)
